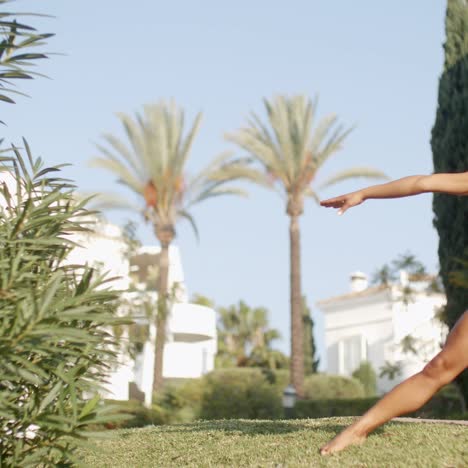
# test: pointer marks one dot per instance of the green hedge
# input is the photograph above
(240, 393)
(441, 406)
(331, 387)
(137, 414)
(335, 407)
(252, 394)
(181, 401)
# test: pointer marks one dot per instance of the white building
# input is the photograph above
(375, 323)
(191, 338)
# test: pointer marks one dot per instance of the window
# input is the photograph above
(352, 351)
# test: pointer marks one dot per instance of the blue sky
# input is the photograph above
(375, 64)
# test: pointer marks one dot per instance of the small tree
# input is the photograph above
(365, 373)
(391, 370)
(55, 348)
(310, 361)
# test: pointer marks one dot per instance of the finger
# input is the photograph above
(338, 197)
(343, 209)
(334, 202)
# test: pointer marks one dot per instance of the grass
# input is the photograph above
(235, 443)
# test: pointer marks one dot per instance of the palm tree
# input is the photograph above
(383, 276)
(391, 370)
(290, 153)
(153, 167)
(409, 263)
(244, 337)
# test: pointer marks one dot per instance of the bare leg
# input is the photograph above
(412, 393)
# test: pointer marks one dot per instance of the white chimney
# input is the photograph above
(404, 278)
(359, 281)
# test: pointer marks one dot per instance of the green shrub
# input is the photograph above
(443, 405)
(239, 393)
(365, 373)
(181, 402)
(137, 415)
(54, 347)
(281, 379)
(335, 407)
(440, 406)
(329, 387)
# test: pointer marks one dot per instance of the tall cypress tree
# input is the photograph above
(310, 361)
(450, 154)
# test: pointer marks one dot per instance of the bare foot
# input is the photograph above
(349, 436)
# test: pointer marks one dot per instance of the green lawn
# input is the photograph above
(280, 444)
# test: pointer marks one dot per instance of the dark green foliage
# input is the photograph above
(16, 58)
(182, 402)
(410, 264)
(324, 386)
(280, 379)
(383, 276)
(333, 407)
(240, 393)
(439, 407)
(54, 347)
(135, 415)
(244, 338)
(202, 300)
(310, 361)
(450, 154)
(387, 274)
(365, 373)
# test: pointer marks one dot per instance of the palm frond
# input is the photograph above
(261, 147)
(312, 194)
(124, 174)
(216, 192)
(119, 146)
(357, 172)
(333, 145)
(186, 215)
(187, 144)
(240, 171)
(112, 201)
(222, 160)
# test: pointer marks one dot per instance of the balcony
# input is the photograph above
(191, 323)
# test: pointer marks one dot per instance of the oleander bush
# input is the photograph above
(55, 347)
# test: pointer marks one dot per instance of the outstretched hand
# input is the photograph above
(344, 202)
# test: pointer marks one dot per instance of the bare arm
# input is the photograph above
(453, 184)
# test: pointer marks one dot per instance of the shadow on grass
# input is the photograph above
(256, 427)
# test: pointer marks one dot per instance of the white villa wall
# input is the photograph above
(103, 249)
(370, 320)
(191, 329)
(371, 326)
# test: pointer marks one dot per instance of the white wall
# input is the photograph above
(380, 321)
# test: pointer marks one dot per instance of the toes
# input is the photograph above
(324, 451)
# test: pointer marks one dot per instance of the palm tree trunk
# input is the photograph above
(297, 333)
(161, 317)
